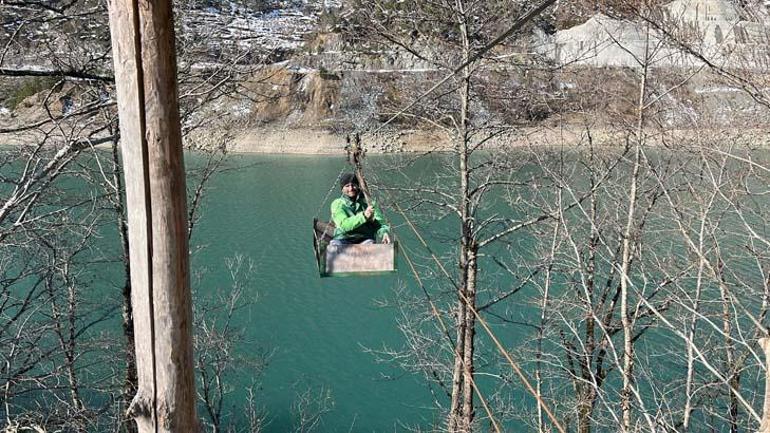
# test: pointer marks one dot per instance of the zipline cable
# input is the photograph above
(514, 27)
(445, 330)
(483, 323)
(437, 315)
(435, 312)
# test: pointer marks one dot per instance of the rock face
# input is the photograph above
(600, 41)
(327, 51)
(291, 95)
(301, 88)
(241, 31)
(715, 28)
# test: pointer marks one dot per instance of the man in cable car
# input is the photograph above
(356, 221)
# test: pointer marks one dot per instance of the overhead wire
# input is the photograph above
(514, 366)
(513, 28)
(445, 329)
(329, 193)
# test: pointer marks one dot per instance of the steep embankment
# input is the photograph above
(302, 109)
(311, 91)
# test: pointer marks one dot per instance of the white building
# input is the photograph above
(715, 28)
(702, 11)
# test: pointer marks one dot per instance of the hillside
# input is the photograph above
(297, 76)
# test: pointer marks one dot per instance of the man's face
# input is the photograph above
(350, 190)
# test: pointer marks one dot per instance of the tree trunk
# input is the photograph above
(455, 410)
(587, 396)
(470, 335)
(624, 295)
(462, 406)
(71, 346)
(585, 408)
(541, 331)
(129, 382)
(764, 427)
(733, 378)
(467, 243)
(625, 278)
(690, 378)
(145, 75)
(65, 325)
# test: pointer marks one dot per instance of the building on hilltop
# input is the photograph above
(702, 11)
(733, 36)
(717, 29)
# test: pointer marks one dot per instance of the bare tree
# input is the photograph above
(64, 109)
(461, 33)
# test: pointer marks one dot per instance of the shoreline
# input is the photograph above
(320, 141)
(317, 141)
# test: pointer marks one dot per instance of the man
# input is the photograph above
(356, 221)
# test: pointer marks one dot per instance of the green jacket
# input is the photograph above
(350, 222)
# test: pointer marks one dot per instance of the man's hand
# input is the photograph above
(385, 239)
(369, 212)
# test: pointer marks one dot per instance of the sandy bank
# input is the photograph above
(320, 141)
(317, 141)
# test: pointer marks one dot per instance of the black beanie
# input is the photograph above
(348, 178)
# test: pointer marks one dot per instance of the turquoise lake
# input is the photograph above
(322, 338)
(318, 330)
(329, 340)
(321, 331)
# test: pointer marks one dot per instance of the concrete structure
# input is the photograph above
(692, 11)
(717, 29)
(723, 32)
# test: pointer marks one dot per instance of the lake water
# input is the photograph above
(318, 330)
(320, 334)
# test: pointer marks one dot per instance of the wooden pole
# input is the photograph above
(151, 146)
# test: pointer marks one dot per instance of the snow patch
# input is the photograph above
(279, 29)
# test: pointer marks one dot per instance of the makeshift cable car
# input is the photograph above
(351, 259)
